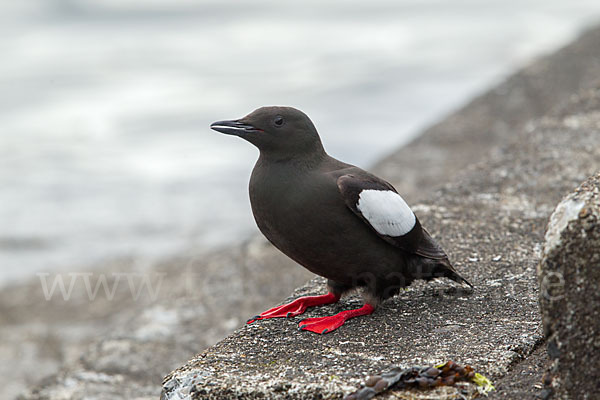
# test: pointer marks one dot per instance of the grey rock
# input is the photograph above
(569, 297)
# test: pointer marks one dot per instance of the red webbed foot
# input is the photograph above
(296, 307)
(324, 325)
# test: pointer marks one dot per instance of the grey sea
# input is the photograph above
(105, 150)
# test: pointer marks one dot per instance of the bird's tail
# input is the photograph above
(445, 269)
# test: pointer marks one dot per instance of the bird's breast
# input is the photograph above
(287, 208)
(296, 213)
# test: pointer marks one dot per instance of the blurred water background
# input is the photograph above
(105, 149)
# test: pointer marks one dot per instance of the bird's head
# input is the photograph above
(278, 132)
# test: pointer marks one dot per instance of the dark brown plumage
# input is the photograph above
(333, 218)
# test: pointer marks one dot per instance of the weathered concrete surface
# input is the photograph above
(135, 343)
(466, 136)
(569, 274)
(491, 220)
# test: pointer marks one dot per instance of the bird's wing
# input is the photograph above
(378, 204)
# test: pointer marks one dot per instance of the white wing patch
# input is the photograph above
(386, 211)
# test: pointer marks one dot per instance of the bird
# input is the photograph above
(333, 218)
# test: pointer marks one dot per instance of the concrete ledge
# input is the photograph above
(491, 220)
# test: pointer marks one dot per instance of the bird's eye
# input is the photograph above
(278, 121)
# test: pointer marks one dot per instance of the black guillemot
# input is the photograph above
(335, 219)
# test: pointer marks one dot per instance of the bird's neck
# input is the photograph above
(302, 160)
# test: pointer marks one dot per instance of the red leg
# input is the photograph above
(296, 307)
(328, 324)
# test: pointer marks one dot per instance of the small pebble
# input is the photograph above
(381, 385)
(372, 380)
(422, 382)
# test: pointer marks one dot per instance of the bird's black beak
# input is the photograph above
(235, 127)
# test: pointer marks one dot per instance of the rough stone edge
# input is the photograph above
(565, 224)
